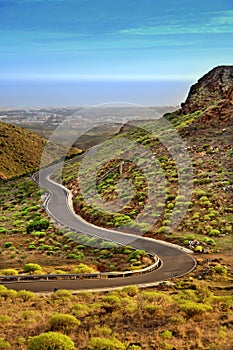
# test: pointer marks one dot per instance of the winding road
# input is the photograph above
(175, 260)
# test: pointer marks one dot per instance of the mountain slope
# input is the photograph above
(206, 128)
(21, 150)
(214, 88)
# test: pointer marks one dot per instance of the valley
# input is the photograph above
(191, 311)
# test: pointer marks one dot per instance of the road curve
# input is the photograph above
(175, 260)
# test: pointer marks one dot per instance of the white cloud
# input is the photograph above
(222, 18)
(212, 22)
(175, 29)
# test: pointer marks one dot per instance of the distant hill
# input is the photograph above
(21, 150)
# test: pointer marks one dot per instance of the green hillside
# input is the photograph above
(207, 133)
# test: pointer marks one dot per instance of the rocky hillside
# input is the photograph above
(213, 93)
(21, 151)
(214, 87)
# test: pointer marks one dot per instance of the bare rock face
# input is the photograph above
(214, 89)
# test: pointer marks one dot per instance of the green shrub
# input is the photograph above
(166, 346)
(192, 308)
(82, 268)
(166, 334)
(156, 296)
(8, 293)
(177, 319)
(37, 225)
(5, 319)
(80, 310)
(180, 198)
(111, 302)
(46, 247)
(51, 341)
(151, 309)
(97, 343)
(209, 241)
(61, 294)
(8, 245)
(198, 249)
(63, 322)
(31, 267)
(9, 272)
(162, 229)
(3, 230)
(221, 270)
(137, 254)
(214, 232)
(4, 344)
(38, 233)
(18, 222)
(131, 290)
(170, 196)
(60, 272)
(203, 199)
(77, 256)
(25, 295)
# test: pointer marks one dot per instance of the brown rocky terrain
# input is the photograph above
(214, 88)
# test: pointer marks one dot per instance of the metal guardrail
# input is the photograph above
(71, 276)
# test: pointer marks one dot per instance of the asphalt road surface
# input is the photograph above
(175, 261)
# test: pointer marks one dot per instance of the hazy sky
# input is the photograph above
(76, 52)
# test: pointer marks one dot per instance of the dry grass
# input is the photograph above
(21, 151)
(150, 319)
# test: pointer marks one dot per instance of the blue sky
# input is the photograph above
(75, 52)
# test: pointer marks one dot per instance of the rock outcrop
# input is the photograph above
(214, 89)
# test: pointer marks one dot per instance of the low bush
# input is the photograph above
(8, 245)
(97, 343)
(25, 295)
(219, 269)
(192, 308)
(82, 268)
(63, 322)
(80, 310)
(37, 225)
(3, 230)
(5, 319)
(214, 232)
(131, 290)
(30, 267)
(111, 302)
(8, 293)
(51, 341)
(4, 344)
(166, 334)
(9, 272)
(61, 294)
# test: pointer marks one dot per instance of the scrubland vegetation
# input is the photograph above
(189, 315)
(29, 242)
(209, 214)
(192, 313)
(195, 313)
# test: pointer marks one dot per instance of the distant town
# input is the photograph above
(52, 117)
(41, 116)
